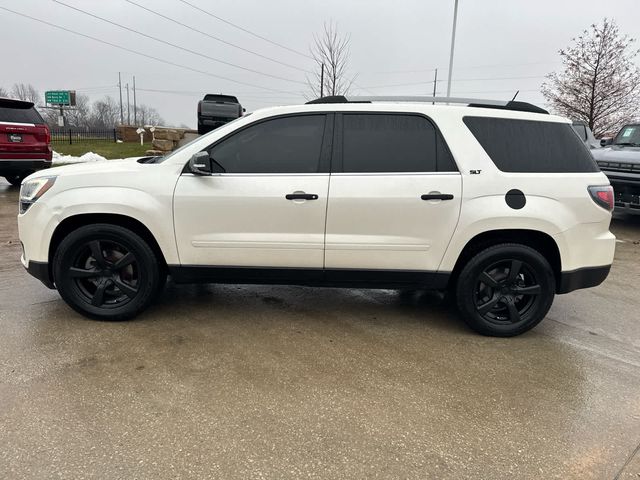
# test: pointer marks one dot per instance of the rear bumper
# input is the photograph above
(39, 270)
(582, 278)
(214, 121)
(10, 167)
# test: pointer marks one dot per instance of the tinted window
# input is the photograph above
(531, 146)
(281, 145)
(20, 115)
(581, 131)
(393, 143)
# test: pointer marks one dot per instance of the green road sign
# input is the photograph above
(60, 97)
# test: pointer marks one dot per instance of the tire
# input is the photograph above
(16, 179)
(505, 290)
(106, 272)
(202, 129)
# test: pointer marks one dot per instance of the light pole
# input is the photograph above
(453, 44)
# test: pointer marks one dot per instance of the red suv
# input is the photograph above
(25, 140)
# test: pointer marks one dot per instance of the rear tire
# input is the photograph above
(106, 272)
(505, 290)
(17, 179)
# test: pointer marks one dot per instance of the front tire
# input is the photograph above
(106, 272)
(505, 290)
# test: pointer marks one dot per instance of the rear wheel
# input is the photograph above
(17, 178)
(106, 272)
(505, 290)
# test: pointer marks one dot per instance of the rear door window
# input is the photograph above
(531, 146)
(392, 143)
(20, 115)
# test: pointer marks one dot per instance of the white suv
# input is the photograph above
(501, 204)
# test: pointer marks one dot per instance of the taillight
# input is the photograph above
(47, 134)
(603, 196)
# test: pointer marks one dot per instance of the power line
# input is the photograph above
(84, 12)
(390, 72)
(193, 92)
(245, 29)
(139, 53)
(425, 82)
(500, 91)
(213, 37)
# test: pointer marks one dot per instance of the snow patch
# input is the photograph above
(87, 157)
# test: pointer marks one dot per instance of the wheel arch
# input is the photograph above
(539, 241)
(74, 222)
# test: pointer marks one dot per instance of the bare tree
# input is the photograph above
(105, 113)
(3, 92)
(149, 116)
(78, 116)
(330, 49)
(26, 91)
(600, 83)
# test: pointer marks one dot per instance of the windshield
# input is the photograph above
(187, 145)
(629, 136)
(220, 98)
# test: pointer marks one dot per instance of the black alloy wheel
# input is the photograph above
(505, 290)
(107, 272)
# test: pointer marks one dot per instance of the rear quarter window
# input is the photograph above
(530, 146)
(20, 115)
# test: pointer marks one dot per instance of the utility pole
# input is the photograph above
(128, 109)
(322, 80)
(435, 80)
(120, 87)
(453, 44)
(135, 111)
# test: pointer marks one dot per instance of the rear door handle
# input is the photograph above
(301, 196)
(437, 196)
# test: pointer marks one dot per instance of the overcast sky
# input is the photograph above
(501, 46)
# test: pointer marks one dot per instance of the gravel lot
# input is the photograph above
(289, 382)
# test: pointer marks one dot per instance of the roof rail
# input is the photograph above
(471, 102)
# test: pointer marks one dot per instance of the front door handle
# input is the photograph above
(301, 196)
(437, 196)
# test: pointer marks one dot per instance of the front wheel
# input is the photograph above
(106, 272)
(505, 290)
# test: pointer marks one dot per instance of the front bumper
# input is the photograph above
(626, 188)
(582, 278)
(39, 270)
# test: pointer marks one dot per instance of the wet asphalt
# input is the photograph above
(244, 382)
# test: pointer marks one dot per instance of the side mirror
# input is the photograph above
(606, 141)
(244, 110)
(200, 164)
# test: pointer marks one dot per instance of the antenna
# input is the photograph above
(514, 97)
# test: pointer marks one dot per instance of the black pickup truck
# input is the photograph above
(215, 110)
(620, 162)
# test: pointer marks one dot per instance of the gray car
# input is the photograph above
(620, 162)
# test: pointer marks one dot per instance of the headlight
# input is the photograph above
(32, 190)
